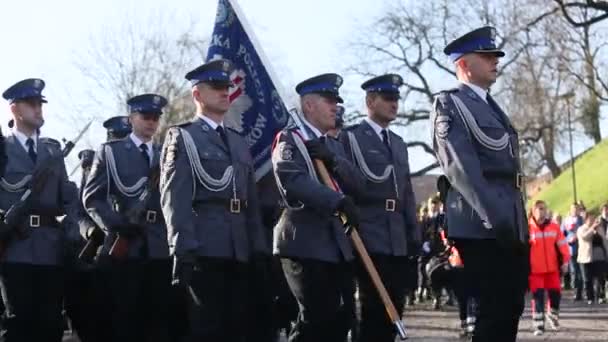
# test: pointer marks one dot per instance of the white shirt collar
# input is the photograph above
(483, 93)
(377, 128)
(22, 138)
(138, 142)
(312, 128)
(210, 122)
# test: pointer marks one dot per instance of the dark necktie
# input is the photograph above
(385, 141)
(496, 109)
(222, 133)
(30, 149)
(144, 152)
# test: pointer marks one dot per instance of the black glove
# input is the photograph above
(183, 269)
(349, 209)
(318, 150)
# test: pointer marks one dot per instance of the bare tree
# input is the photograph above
(585, 55)
(409, 38)
(148, 57)
(597, 11)
(534, 96)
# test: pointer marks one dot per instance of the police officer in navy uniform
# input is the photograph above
(387, 206)
(81, 296)
(139, 280)
(315, 249)
(31, 271)
(209, 199)
(477, 148)
(117, 127)
(334, 132)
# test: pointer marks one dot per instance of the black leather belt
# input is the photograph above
(517, 179)
(389, 204)
(153, 216)
(234, 205)
(37, 221)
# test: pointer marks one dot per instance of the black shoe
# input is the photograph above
(450, 302)
(436, 304)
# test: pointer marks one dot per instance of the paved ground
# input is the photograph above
(579, 321)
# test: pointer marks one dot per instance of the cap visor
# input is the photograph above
(497, 52)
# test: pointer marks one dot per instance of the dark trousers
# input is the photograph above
(411, 275)
(538, 296)
(140, 294)
(374, 324)
(500, 275)
(593, 275)
(423, 281)
(465, 295)
(285, 304)
(325, 295)
(576, 277)
(218, 300)
(33, 298)
(260, 319)
(84, 306)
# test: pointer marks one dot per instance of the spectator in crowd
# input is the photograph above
(571, 224)
(565, 274)
(431, 245)
(592, 256)
(604, 218)
(549, 253)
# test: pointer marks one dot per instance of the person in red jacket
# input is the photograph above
(549, 255)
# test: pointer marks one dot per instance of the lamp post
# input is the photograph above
(567, 97)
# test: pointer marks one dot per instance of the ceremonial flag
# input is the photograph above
(257, 110)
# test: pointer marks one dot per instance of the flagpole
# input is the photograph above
(258, 48)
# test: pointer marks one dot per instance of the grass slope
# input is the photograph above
(591, 182)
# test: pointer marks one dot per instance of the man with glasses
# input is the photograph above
(125, 173)
(387, 206)
(209, 199)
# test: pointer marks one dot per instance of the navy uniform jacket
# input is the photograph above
(383, 231)
(43, 245)
(200, 220)
(107, 205)
(484, 196)
(312, 231)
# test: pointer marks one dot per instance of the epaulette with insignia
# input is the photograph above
(350, 127)
(50, 141)
(446, 91)
(233, 130)
(183, 124)
(109, 142)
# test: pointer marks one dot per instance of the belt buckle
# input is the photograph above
(519, 180)
(390, 205)
(34, 221)
(235, 205)
(151, 216)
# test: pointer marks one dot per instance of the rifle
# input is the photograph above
(69, 144)
(88, 252)
(12, 220)
(135, 214)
